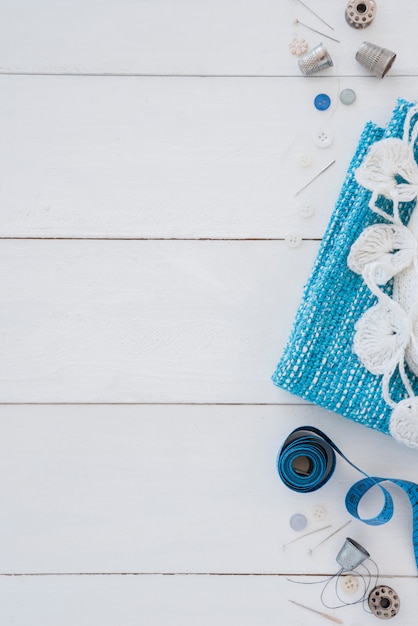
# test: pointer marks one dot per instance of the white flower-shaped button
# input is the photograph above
(298, 46)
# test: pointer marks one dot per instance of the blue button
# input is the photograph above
(298, 521)
(322, 102)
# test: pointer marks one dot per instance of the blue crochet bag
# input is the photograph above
(353, 348)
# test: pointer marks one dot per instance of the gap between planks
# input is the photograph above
(208, 574)
(142, 75)
(38, 238)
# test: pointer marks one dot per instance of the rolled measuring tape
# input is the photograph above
(306, 462)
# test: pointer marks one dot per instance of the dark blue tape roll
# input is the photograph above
(320, 453)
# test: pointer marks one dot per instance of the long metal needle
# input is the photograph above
(316, 14)
(324, 169)
(336, 620)
(329, 536)
(296, 21)
(311, 532)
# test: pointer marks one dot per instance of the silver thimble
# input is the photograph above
(375, 59)
(315, 60)
(351, 555)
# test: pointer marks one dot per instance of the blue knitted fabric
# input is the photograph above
(318, 363)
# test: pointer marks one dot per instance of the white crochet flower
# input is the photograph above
(387, 162)
(382, 334)
(386, 336)
(387, 248)
(403, 424)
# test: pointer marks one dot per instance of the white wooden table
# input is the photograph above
(148, 170)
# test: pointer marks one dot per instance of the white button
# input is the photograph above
(305, 210)
(304, 159)
(349, 583)
(319, 513)
(293, 240)
(323, 138)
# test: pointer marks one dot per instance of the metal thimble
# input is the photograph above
(351, 555)
(315, 60)
(375, 59)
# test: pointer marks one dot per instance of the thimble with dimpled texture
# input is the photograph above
(375, 59)
(315, 60)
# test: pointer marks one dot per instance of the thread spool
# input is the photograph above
(384, 602)
(315, 60)
(360, 14)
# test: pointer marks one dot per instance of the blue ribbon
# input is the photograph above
(319, 451)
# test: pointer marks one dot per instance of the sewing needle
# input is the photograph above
(329, 536)
(324, 169)
(296, 21)
(336, 620)
(316, 14)
(311, 532)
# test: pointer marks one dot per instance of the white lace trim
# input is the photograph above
(386, 336)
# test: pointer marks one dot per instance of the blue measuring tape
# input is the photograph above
(318, 453)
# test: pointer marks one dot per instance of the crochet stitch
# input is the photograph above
(353, 348)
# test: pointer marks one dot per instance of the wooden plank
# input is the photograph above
(146, 321)
(237, 37)
(178, 600)
(166, 489)
(182, 158)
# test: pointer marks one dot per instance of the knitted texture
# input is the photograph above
(353, 348)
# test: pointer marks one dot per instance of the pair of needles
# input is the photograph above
(296, 21)
(317, 530)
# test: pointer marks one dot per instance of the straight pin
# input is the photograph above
(316, 14)
(329, 536)
(311, 532)
(296, 21)
(336, 620)
(324, 169)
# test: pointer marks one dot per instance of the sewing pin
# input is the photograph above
(329, 536)
(316, 14)
(296, 21)
(324, 169)
(311, 532)
(336, 620)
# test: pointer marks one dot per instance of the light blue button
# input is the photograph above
(298, 521)
(347, 96)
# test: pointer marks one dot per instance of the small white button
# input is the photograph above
(305, 210)
(349, 583)
(293, 240)
(319, 513)
(323, 138)
(304, 159)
